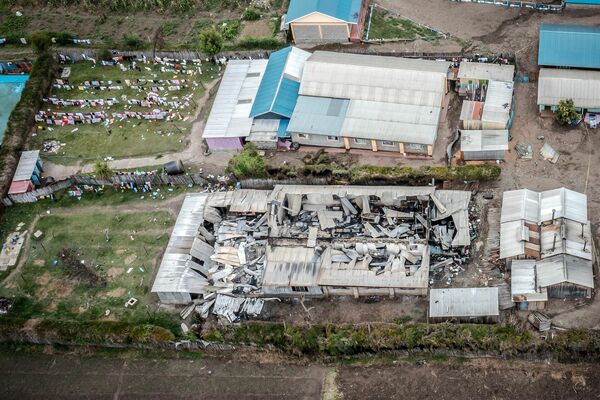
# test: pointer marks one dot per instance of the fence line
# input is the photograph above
(76, 54)
(117, 181)
(518, 4)
(267, 184)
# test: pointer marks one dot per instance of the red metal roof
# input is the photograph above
(18, 187)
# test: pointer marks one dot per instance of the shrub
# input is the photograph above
(566, 111)
(251, 14)
(248, 164)
(211, 42)
(229, 29)
(133, 43)
(258, 43)
(40, 41)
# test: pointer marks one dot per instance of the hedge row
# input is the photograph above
(21, 119)
(82, 332)
(345, 340)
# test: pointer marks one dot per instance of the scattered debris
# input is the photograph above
(5, 305)
(524, 151)
(11, 249)
(549, 154)
(37, 235)
(131, 302)
(541, 321)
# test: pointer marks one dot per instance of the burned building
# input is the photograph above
(310, 241)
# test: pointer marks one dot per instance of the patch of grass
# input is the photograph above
(13, 27)
(229, 29)
(251, 14)
(170, 28)
(386, 26)
(256, 43)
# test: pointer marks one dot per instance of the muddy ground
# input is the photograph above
(54, 376)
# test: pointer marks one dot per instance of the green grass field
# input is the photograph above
(126, 261)
(386, 26)
(128, 137)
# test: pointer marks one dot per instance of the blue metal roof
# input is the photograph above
(276, 93)
(346, 10)
(582, 2)
(318, 115)
(569, 46)
(282, 130)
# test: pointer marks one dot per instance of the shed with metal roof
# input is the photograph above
(229, 122)
(483, 145)
(326, 21)
(583, 87)
(485, 71)
(464, 304)
(575, 46)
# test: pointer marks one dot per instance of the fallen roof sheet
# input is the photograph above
(291, 266)
(175, 273)
(463, 302)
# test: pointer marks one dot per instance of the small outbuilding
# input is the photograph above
(525, 291)
(326, 21)
(28, 173)
(464, 305)
(483, 145)
(474, 76)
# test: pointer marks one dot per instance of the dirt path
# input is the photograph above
(190, 155)
(171, 206)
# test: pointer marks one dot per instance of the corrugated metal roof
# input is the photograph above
(374, 78)
(555, 85)
(571, 238)
(511, 239)
(569, 46)
(26, 165)
(486, 71)
(278, 90)
(229, 116)
(522, 277)
(538, 207)
(391, 121)
(563, 268)
(291, 266)
(345, 10)
(318, 115)
(596, 2)
(463, 302)
(484, 140)
(175, 273)
(471, 110)
(498, 101)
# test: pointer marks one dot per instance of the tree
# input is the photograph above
(248, 163)
(40, 41)
(566, 111)
(102, 170)
(211, 42)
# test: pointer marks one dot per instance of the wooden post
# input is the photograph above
(401, 145)
(429, 150)
(373, 145)
(347, 143)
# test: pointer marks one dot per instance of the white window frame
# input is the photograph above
(387, 143)
(333, 138)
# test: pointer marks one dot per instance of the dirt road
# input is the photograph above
(27, 376)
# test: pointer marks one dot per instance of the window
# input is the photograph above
(303, 289)
(359, 141)
(333, 138)
(303, 136)
(387, 143)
